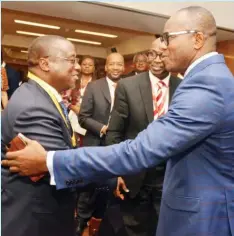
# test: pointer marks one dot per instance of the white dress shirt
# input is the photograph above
(112, 86)
(210, 54)
(165, 89)
(50, 155)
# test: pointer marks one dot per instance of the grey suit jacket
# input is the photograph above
(30, 208)
(95, 111)
(132, 113)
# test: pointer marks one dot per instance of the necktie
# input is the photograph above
(65, 112)
(159, 100)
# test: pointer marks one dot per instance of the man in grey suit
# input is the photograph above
(94, 117)
(35, 208)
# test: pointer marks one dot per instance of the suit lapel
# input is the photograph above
(64, 129)
(173, 84)
(146, 94)
(105, 89)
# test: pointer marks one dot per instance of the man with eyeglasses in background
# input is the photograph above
(32, 207)
(140, 64)
(195, 136)
(140, 99)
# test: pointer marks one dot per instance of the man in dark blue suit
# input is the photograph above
(196, 136)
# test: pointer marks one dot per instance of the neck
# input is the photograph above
(114, 80)
(86, 77)
(43, 76)
(198, 55)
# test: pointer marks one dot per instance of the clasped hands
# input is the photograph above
(30, 161)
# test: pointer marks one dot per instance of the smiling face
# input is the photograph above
(63, 66)
(156, 65)
(114, 66)
(140, 63)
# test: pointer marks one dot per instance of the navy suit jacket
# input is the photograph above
(196, 136)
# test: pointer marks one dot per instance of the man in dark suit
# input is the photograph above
(195, 136)
(133, 111)
(35, 208)
(94, 117)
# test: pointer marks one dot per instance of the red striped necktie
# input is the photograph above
(159, 100)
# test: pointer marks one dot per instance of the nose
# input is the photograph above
(115, 67)
(158, 59)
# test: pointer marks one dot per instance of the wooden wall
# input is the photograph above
(227, 48)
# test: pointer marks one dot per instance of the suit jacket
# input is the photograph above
(95, 111)
(30, 208)
(132, 113)
(197, 136)
(132, 73)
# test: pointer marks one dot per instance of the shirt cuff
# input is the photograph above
(49, 163)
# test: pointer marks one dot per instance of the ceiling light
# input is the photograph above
(96, 33)
(24, 51)
(29, 33)
(36, 24)
(84, 41)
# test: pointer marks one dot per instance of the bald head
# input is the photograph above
(51, 45)
(198, 18)
(114, 55)
(189, 34)
(156, 44)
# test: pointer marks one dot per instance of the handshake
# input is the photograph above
(30, 160)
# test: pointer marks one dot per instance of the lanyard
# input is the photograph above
(55, 101)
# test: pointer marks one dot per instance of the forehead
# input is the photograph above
(156, 46)
(87, 60)
(140, 56)
(65, 48)
(177, 22)
(114, 58)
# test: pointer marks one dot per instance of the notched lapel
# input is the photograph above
(146, 94)
(105, 89)
(173, 84)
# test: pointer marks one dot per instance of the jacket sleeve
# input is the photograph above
(195, 113)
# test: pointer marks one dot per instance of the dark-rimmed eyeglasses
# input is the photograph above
(165, 36)
(152, 54)
(73, 61)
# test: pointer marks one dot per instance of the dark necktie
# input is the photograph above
(65, 112)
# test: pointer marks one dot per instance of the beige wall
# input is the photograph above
(227, 48)
(222, 11)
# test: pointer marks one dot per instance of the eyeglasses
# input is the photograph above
(165, 36)
(73, 61)
(141, 61)
(152, 54)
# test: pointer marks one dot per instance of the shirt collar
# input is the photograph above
(155, 79)
(110, 82)
(196, 62)
(52, 89)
